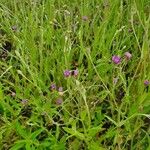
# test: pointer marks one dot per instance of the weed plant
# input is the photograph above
(74, 74)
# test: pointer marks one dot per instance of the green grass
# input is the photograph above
(39, 39)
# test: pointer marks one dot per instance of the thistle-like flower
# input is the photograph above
(128, 55)
(59, 101)
(116, 59)
(67, 73)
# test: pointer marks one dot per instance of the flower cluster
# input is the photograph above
(68, 73)
(53, 87)
(117, 59)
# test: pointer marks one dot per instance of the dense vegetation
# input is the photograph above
(74, 74)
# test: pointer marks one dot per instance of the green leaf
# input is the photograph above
(22, 132)
(103, 68)
(35, 134)
(79, 135)
(69, 130)
(28, 146)
(18, 145)
(95, 146)
(74, 133)
(83, 115)
(114, 122)
(75, 144)
(93, 131)
(45, 144)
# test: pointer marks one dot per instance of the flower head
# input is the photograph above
(60, 89)
(75, 72)
(128, 55)
(59, 101)
(53, 86)
(116, 59)
(146, 82)
(67, 73)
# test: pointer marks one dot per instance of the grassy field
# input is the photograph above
(74, 74)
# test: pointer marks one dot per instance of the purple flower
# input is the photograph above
(116, 59)
(59, 101)
(75, 72)
(60, 89)
(85, 18)
(67, 73)
(146, 82)
(53, 86)
(128, 55)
